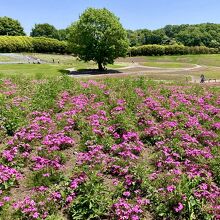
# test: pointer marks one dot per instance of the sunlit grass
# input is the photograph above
(67, 61)
(210, 73)
(117, 65)
(201, 59)
(167, 65)
(35, 70)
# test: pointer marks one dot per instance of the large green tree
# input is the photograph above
(11, 27)
(44, 30)
(99, 36)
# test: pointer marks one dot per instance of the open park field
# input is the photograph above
(175, 68)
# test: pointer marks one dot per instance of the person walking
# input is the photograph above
(202, 78)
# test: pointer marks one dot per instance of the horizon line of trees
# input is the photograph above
(205, 34)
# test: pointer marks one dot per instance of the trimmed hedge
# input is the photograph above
(10, 44)
(159, 50)
(46, 45)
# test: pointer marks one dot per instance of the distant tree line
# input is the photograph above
(170, 40)
(207, 34)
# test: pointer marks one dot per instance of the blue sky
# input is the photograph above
(134, 14)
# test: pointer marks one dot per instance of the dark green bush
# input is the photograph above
(159, 50)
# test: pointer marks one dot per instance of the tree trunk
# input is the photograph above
(101, 68)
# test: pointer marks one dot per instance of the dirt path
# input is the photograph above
(137, 65)
(137, 69)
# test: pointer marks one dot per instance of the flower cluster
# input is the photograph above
(31, 209)
(125, 210)
(8, 176)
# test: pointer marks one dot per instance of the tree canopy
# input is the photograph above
(10, 27)
(63, 34)
(207, 34)
(44, 30)
(99, 36)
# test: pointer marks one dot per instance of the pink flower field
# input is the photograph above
(123, 149)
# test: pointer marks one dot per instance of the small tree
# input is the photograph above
(10, 27)
(99, 36)
(44, 30)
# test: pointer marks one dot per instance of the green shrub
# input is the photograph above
(93, 200)
(38, 178)
(10, 44)
(12, 119)
(159, 50)
(48, 45)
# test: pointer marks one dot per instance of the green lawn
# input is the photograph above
(35, 70)
(202, 59)
(210, 73)
(67, 61)
(43, 70)
(167, 65)
(117, 65)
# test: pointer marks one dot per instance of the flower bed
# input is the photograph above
(111, 149)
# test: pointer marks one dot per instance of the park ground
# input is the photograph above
(169, 68)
